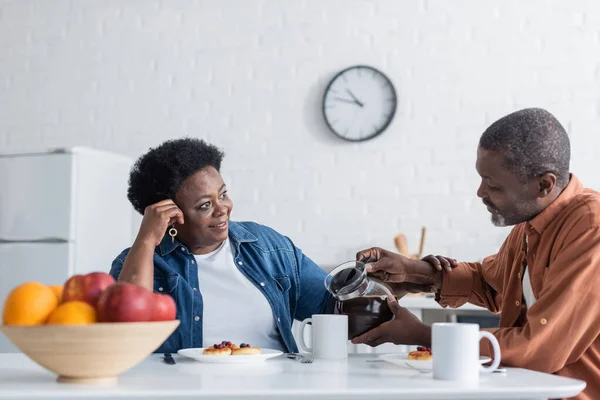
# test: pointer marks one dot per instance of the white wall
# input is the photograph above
(249, 77)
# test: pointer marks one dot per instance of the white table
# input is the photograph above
(278, 378)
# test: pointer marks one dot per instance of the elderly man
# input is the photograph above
(544, 280)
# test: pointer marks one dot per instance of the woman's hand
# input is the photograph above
(157, 218)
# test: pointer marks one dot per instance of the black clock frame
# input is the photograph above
(380, 130)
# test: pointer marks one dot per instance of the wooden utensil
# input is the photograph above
(401, 244)
(423, 232)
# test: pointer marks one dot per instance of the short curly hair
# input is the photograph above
(533, 142)
(158, 174)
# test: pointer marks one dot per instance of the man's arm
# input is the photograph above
(479, 283)
(564, 321)
(469, 283)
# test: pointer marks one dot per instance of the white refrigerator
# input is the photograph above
(62, 213)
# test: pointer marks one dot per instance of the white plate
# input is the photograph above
(402, 360)
(197, 354)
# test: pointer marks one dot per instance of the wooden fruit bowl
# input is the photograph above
(94, 353)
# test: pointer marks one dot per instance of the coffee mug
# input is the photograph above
(455, 351)
(329, 336)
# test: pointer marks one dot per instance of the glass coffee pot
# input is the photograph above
(361, 297)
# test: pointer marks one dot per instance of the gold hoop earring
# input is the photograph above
(173, 233)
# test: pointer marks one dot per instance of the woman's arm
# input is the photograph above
(138, 267)
(313, 298)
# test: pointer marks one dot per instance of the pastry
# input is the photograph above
(226, 348)
(245, 349)
(217, 351)
(422, 353)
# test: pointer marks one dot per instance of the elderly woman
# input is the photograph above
(235, 281)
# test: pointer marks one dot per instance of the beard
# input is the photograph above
(521, 212)
(498, 220)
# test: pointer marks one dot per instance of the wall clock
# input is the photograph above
(359, 103)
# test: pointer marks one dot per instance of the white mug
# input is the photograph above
(455, 352)
(329, 336)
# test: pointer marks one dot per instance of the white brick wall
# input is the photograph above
(249, 76)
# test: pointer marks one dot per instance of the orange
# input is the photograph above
(73, 313)
(29, 304)
(58, 291)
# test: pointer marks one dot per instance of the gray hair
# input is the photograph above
(533, 143)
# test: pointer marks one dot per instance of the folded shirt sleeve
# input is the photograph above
(469, 283)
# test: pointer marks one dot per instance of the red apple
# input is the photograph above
(87, 287)
(73, 290)
(124, 302)
(163, 307)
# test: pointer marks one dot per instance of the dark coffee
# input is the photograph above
(364, 313)
(346, 281)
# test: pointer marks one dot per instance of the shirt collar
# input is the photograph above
(541, 221)
(237, 234)
(167, 244)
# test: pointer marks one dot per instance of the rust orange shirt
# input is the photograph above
(560, 332)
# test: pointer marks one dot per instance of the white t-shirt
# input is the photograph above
(527, 291)
(234, 308)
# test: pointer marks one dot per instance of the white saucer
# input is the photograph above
(402, 360)
(197, 354)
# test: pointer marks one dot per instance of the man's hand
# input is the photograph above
(392, 267)
(440, 262)
(405, 328)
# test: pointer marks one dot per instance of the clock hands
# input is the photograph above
(354, 98)
(353, 101)
(346, 100)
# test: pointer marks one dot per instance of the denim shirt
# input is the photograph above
(292, 283)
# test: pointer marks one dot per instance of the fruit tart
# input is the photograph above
(245, 349)
(226, 348)
(422, 353)
(217, 350)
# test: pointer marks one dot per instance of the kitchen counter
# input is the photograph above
(355, 378)
(429, 303)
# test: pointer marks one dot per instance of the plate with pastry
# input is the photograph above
(419, 359)
(230, 353)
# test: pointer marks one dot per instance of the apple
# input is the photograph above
(163, 307)
(87, 288)
(125, 302)
(72, 290)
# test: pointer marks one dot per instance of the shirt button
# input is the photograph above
(160, 289)
(519, 275)
(239, 262)
(195, 289)
(278, 320)
(262, 284)
(543, 321)
(518, 303)
(193, 262)
(530, 227)
(182, 248)
(196, 318)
